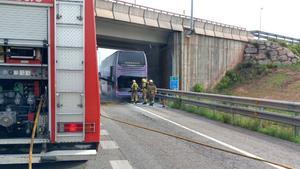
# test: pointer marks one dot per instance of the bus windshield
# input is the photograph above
(131, 58)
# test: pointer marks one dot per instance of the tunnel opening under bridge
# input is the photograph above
(158, 58)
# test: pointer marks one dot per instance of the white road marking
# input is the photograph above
(208, 137)
(120, 164)
(104, 132)
(109, 145)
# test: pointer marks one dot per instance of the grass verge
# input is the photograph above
(274, 129)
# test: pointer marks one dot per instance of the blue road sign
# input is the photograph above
(174, 83)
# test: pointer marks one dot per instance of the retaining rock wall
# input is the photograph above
(266, 52)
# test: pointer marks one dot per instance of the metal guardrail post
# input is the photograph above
(297, 128)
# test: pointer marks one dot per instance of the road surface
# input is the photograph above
(126, 147)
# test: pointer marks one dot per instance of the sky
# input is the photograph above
(278, 16)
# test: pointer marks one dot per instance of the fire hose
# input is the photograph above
(36, 120)
(197, 142)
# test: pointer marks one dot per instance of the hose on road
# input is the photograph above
(196, 142)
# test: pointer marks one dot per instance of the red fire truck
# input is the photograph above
(48, 54)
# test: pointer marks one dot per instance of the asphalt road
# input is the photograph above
(126, 147)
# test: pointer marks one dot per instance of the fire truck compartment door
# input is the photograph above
(22, 25)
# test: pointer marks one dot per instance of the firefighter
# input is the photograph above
(134, 92)
(144, 90)
(152, 90)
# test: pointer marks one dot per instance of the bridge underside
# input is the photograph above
(153, 41)
(194, 59)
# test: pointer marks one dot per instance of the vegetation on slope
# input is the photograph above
(280, 82)
(275, 129)
(295, 48)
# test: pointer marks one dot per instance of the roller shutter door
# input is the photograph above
(23, 25)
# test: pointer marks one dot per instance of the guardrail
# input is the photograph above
(267, 35)
(246, 106)
(172, 13)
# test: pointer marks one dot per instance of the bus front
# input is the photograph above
(131, 65)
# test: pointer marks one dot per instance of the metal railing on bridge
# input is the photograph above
(267, 35)
(273, 110)
(173, 14)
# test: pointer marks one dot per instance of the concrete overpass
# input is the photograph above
(202, 57)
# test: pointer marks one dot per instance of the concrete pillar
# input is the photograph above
(203, 59)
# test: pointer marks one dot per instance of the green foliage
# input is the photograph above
(231, 78)
(278, 80)
(199, 88)
(295, 48)
(293, 67)
(280, 42)
(243, 73)
(176, 104)
(270, 128)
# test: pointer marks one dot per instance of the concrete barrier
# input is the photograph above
(176, 23)
(209, 29)
(218, 31)
(236, 34)
(199, 27)
(244, 35)
(136, 15)
(151, 18)
(227, 33)
(186, 23)
(164, 21)
(104, 9)
(121, 12)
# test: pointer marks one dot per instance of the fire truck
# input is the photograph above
(48, 54)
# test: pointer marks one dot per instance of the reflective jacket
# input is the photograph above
(134, 87)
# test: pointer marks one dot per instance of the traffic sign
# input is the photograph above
(174, 83)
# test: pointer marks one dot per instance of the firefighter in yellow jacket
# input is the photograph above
(134, 92)
(144, 90)
(152, 90)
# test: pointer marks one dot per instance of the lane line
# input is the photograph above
(107, 145)
(104, 132)
(208, 137)
(120, 164)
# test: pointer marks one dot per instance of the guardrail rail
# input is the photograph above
(267, 35)
(265, 109)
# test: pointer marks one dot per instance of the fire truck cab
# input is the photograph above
(48, 52)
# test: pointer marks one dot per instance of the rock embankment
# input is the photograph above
(266, 52)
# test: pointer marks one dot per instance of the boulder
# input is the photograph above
(251, 50)
(275, 46)
(274, 58)
(272, 53)
(294, 60)
(268, 43)
(287, 63)
(290, 54)
(282, 51)
(260, 56)
(260, 42)
(249, 45)
(283, 58)
(262, 47)
(264, 62)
